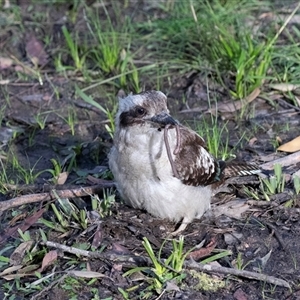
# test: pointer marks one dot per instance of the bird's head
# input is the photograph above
(145, 108)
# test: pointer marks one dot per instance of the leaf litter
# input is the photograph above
(118, 236)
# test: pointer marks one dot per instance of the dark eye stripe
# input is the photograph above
(133, 116)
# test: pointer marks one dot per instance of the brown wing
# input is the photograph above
(194, 164)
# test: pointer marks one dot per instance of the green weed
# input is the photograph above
(216, 137)
(67, 215)
(77, 53)
(274, 184)
(162, 272)
(107, 53)
(296, 183)
(110, 114)
(103, 206)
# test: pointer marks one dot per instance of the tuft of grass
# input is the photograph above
(107, 52)
(226, 41)
(67, 215)
(296, 182)
(103, 206)
(216, 137)
(162, 272)
(13, 172)
(110, 114)
(77, 53)
(274, 184)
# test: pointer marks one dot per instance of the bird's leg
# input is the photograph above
(178, 143)
(169, 152)
(183, 225)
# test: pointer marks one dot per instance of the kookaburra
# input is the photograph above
(160, 165)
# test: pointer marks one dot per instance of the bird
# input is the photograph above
(162, 166)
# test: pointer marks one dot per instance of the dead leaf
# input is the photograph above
(117, 267)
(17, 218)
(203, 252)
(4, 82)
(35, 51)
(87, 274)
(239, 294)
(284, 87)
(292, 146)
(27, 269)
(22, 69)
(14, 276)
(17, 256)
(232, 237)
(10, 270)
(119, 249)
(5, 63)
(232, 106)
(62, 177)
(49, 259)
(27, 223)
(98, 237)
(252, 141)
(172, 286)
(232, 209)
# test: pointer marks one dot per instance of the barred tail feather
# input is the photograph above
(234, 169)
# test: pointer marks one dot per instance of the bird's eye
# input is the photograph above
(141, 111)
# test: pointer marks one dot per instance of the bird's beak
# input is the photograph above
(164, 119)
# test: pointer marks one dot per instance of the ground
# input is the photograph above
(53, 138)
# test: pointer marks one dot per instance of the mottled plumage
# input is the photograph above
(144, 170)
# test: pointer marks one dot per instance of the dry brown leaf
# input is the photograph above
(13, 231)
(5, 63)
(87, 274)
(232, 106)
(98, 237)
(13, 276)
(17, 256)
(35, 51)
(239, 294)
(284, 87)
(232, 209)
(62, 177)
(24, 70)
(28, 270)
(10, 270)
(203, 252)
(292, 146)
(252, 141)
(17, 275)
(48, 259)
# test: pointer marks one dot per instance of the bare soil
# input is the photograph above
(266, 237)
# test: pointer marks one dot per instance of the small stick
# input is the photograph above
(191, 264)
(288, 160)
(69, 193)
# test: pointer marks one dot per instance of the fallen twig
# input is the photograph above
(69, 193)
(240, 273)
(288, 160)
(191, 264)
